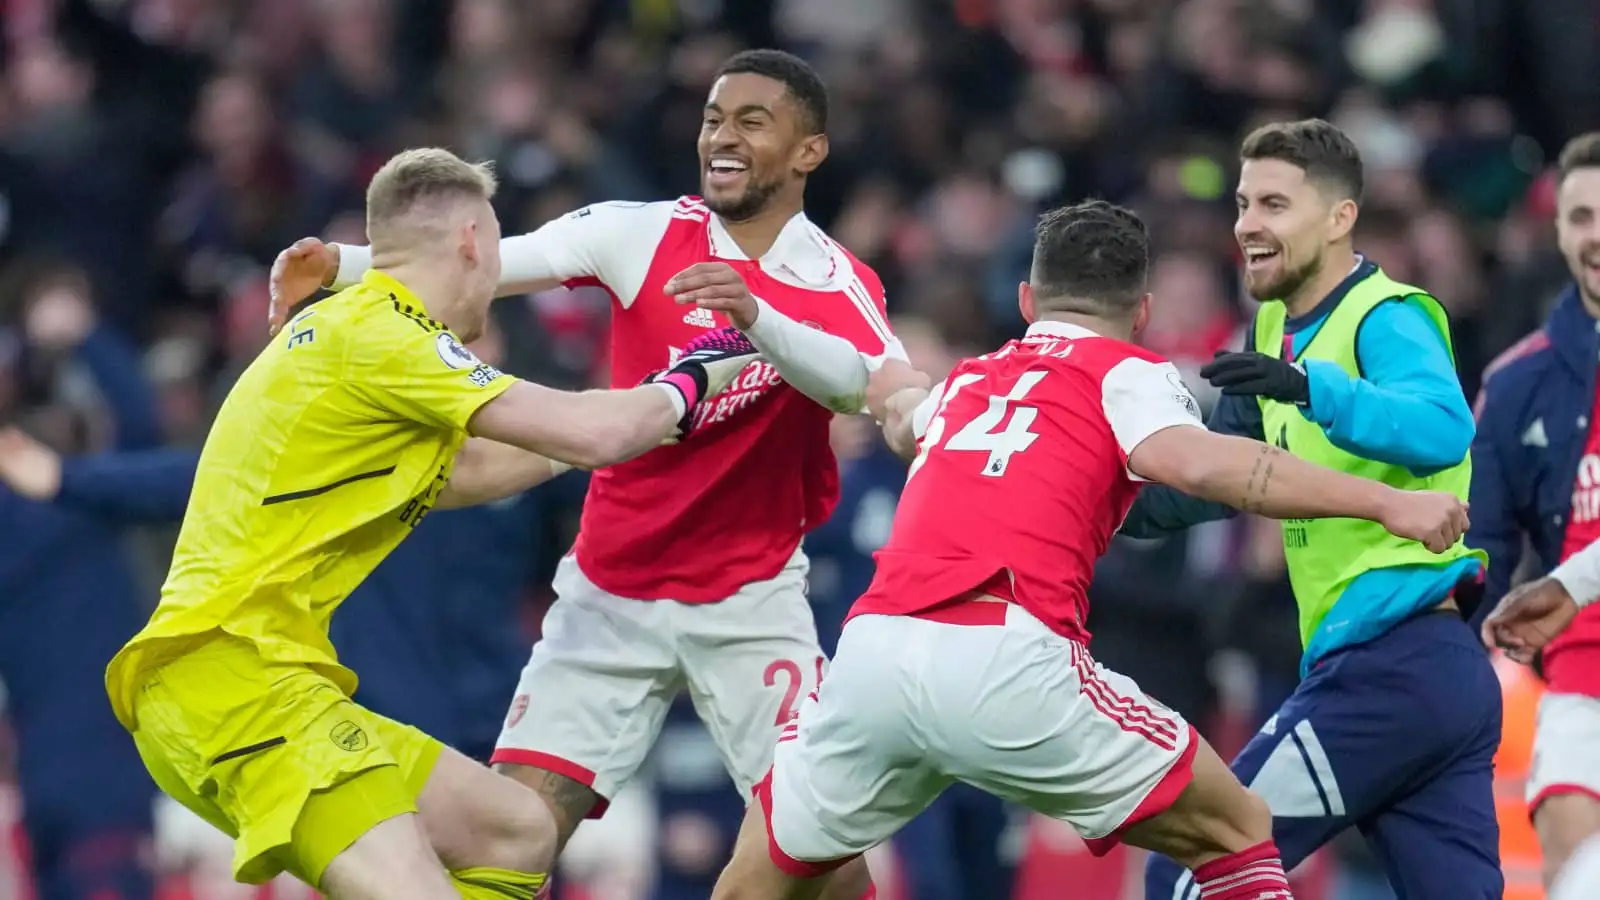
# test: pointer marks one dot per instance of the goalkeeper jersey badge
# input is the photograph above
(453, 353)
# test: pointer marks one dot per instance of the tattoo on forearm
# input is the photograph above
(1255, 490)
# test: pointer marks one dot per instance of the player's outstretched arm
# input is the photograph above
(132, 487)
(594, 429)
(487, 470)
(1263, 479)
(590, 430)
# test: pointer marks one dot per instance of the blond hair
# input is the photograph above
(406, 197)
(1582, 152)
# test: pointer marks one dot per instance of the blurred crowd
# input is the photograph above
(156, 154)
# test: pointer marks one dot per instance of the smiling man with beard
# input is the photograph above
(1394, 726)
(1538, 480)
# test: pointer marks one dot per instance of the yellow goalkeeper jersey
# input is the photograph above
(331, 447)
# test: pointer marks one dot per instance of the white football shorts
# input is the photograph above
(911, 705)
(597, 687)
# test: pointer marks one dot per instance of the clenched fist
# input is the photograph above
(891, 378)
(1434, 519)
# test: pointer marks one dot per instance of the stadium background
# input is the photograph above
(155, 155)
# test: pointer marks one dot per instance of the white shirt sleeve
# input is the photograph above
(1141, 398)
(824, 367)
(1580, 575)
(612, 243)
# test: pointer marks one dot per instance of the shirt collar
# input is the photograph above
(1042, 329)
(801, 251)
(388, 284)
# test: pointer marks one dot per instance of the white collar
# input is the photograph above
(1058, 330)
(802, 253)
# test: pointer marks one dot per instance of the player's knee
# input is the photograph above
(1254, 821)
(1224, 816)
(1581, 873)
(1564, 822)
(520, 836)
(728, 887)
(567, 801)
(848, 882)
(1240, 820)
(1212, 818)
(737, 882)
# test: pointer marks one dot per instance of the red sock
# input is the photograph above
(872, 892)
(1253, 874)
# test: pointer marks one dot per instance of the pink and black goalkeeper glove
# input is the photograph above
(709, 364)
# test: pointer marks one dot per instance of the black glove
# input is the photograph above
(1254, 373)
(708, 365)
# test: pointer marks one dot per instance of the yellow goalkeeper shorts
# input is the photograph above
(276, 756)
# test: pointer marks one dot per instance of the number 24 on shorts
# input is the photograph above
(981, 433)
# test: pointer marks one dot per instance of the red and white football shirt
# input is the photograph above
(1572, 660)
(695, 521)
(1022, 478)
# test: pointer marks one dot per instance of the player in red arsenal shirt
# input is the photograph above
(1536, 482)
(967, 659)
(1533, 618)
(1530, 619)
(688, 572)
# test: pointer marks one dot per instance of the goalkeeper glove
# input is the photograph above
(1253, 373)
(708, 365)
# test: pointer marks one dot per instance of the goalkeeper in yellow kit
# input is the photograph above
(334, 443)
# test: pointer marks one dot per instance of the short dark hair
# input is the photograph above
(1321, 150)
(794, 73)
(1092, 258)
(1582, 152)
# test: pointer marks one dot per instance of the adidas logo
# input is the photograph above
(1535, 436)
(700, 317)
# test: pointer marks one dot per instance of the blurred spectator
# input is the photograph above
(69, 598)
(348, 101)
(248, 197)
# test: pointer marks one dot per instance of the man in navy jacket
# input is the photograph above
(69, 598)
(1536, 478)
